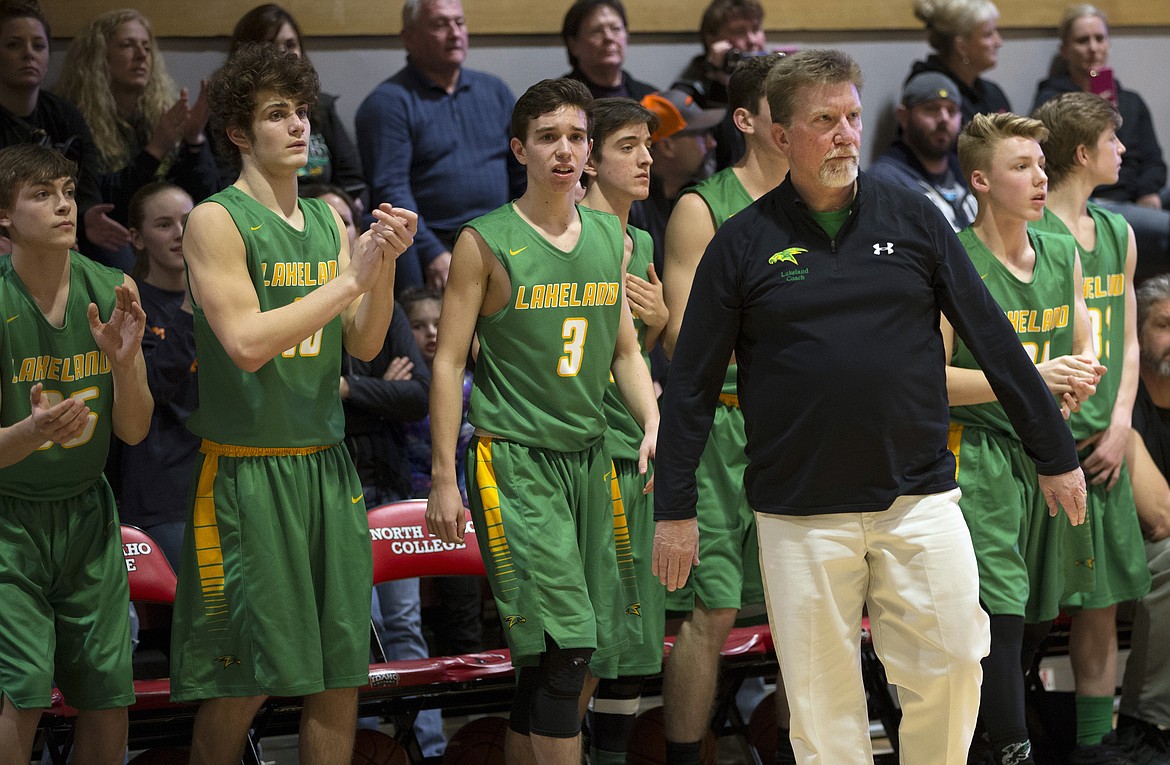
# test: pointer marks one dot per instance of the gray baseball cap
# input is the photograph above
(930, 86)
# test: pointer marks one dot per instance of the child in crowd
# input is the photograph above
(156, 473)
(457, 626)
(423, 305)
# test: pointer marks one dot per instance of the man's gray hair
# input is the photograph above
(817, 66)
(1153, 291)
(410, 11)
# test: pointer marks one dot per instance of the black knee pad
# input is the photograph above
(559, 680)
(519, 720)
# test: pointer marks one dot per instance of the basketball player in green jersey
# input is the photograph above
(539, 282)
(617, 173)
(67, 380)
(274, 589)
(1083, 152)
(729, 576)
(1027, 561)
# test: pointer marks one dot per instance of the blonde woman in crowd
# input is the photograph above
(145, 128)
(965, 37)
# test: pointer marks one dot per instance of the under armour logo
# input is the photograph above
(883, 249)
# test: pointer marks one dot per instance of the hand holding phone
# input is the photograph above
(1101, 84)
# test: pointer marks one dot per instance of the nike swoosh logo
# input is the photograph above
(14, 318)
(983, 276)
(356, 499)
(517, 252)
(257, 228)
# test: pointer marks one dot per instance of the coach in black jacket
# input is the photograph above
(829, 290)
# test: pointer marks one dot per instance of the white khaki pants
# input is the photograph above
(913, 567)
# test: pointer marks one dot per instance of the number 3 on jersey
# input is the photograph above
(573, 331)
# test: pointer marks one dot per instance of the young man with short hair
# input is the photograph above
(1084, 153)
(617, 173)
(1028, 563)
(67, 381)
(729, 578)
(539, 282)
(274, 590)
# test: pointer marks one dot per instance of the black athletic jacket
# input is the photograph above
(841, 365)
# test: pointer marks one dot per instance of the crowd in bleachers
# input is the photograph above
(436, 138)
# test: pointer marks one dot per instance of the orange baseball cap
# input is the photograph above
(677, 112)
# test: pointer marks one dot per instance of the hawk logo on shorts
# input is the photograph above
(1017, 753)
(227, 660)
(634, 609)
(1087, 562)
(787, 256)
(511, 620)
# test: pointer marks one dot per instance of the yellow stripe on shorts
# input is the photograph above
(621, 528)
(208, 553)
(954, 443)
(489, 497)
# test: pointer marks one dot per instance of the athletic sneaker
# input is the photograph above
(1145, 744)
(1108, 752)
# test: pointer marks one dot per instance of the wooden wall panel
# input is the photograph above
(215, 18)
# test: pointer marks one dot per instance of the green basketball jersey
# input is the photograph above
(545, 356)
(68, 364)
(723, 194)
(1103, 272)
(293, 400)
(1041, 311)
(623, 437)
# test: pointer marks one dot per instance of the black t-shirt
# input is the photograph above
(1153, 423)
(57, 123)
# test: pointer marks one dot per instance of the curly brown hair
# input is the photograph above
(234, 88)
